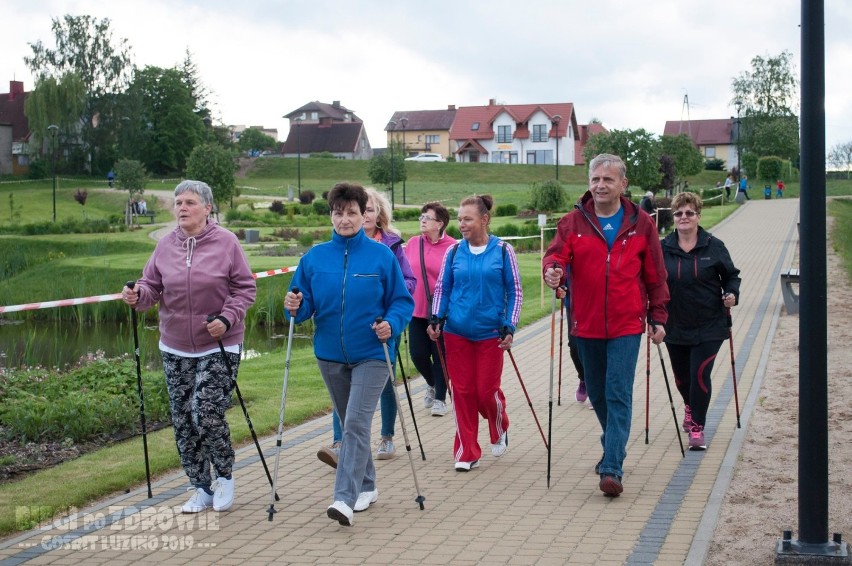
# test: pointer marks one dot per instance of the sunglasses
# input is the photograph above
(687, 213)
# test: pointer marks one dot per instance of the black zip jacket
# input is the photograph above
(697, 280)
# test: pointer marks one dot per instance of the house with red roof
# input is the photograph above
(318, 127)
(586, 131)
(542, 134)
(423, 131)
(14, 131)
(715, 139)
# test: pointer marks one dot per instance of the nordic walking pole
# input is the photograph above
(527, 395)
(274, 495)
(671, 401)
(561, 324)
(419, 499)
(410, 404)
(733, 365)
(550, 397)
(647, 383)
(441, 350)
(133, 320)
(211, 318)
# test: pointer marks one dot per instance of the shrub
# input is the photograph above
(506, 210)
(306, 240)
(406, 214)
(323, 155)
(286, 233)
(306, 197)
(277, 207)
(770, 168)
(40, 169)
(714, 164)
(321, 207)
(547, 196)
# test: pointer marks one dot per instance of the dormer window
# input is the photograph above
(474, 127)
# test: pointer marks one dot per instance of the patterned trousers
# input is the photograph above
(199, 394)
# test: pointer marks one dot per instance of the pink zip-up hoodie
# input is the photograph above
(192, 278)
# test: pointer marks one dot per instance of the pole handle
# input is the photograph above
(130, 284)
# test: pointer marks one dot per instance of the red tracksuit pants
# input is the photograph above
(475, 369)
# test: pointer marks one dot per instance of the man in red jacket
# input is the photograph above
(618, 281)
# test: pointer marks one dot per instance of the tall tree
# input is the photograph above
(85, 45)
(197, 89)
(766, 98)
(58, 102)
(639, 149)
(169, 126)
(684, 160)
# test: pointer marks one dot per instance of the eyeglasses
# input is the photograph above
(425, 217)
(687, 213)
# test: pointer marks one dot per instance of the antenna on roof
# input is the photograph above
(685, 106)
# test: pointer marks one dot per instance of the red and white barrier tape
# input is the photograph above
(114, 296)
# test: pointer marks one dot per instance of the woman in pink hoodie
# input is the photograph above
(196, 271)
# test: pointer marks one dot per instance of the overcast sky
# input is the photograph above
(627, 63)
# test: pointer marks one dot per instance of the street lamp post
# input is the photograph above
(392, 127)
(555, 122)
(299, 157)
(404, 122)
(53, 129)
(739, 105)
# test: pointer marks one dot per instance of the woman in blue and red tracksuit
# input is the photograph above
(478, 296)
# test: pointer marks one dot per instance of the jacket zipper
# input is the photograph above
(343, 300)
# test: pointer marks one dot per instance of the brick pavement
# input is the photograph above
(501, 513)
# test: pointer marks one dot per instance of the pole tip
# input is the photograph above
(420, 500)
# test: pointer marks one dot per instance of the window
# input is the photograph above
(504, 157)
(710, 152)
(474, 127)
(433, 139)
(539, 133)
(540, 157)
(504, 134)
(314, 116)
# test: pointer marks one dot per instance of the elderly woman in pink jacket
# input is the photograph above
(196, 271)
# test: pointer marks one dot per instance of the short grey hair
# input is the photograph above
(200, 188)
(609, 161)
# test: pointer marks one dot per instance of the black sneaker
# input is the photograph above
(611, 485)
(598, 465)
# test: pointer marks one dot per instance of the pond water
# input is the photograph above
(52, 344)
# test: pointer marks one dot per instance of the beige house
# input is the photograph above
(715, 139)
(423, 131)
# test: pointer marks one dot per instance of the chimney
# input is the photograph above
(492, 101)
(15, 88)
(451, 106)
(336, 104)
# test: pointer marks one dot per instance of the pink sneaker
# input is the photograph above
(687, 418)
(696, 438)
(581, 395)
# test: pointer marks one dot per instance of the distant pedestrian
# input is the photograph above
(779, 189)
(111, 178)
(729, 180)
(743, 189)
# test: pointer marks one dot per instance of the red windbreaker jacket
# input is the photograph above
(612, 291)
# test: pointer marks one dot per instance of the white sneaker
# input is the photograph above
(223, 494)
(365, 499)
(199, 501)
(429, 398)
(386, 450)
(466, 466)
(499, 448)
(439, 409)
(340, 512)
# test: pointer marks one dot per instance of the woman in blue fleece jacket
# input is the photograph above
(344, 284)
